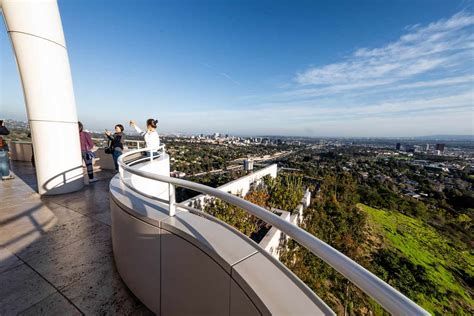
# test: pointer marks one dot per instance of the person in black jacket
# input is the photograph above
(4, 153)
(117, 140)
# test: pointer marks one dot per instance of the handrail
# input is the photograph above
(152, 155)
(137, 142)
(393, 301)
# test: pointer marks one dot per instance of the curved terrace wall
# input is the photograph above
(187, 264)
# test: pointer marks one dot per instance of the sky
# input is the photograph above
(296, 68)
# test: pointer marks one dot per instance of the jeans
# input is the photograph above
(88, 161)
(4, 163)
(115, 155)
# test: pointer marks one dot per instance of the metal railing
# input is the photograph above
(393, 301)
(130, 143)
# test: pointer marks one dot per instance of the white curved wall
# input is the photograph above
(160, 166)
(189, 265)
(40, 50)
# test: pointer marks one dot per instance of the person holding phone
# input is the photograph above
(152, 139)
(117, 140)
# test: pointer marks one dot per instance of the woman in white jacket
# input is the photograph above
(152, 139)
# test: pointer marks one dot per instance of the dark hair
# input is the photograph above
(1, 122)
(120, 126)
(151, 122)
(81, 127)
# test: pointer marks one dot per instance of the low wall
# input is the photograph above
(20, 151)
(190, 265)
(149, 187)
(103, 161)
(272, 240)
(274, 237)
(240, 186)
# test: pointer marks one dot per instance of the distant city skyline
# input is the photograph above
(339, 69)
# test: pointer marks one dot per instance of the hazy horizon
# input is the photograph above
(294, 69)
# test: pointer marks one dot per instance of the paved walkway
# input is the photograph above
(56, 253)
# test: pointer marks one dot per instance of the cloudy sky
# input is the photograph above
(341, 68)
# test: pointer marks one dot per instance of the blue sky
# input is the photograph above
(328, 68)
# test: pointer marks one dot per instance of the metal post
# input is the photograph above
(172, 199)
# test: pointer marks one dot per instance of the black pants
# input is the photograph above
(88, 162)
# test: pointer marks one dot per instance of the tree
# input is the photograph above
(232, 215)
(285, 192)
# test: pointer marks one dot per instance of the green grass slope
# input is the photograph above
(446, 267)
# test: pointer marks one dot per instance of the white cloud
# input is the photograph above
(420, 51)
(223, 74)
(421, 84)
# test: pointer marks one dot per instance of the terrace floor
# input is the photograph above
(56, 253)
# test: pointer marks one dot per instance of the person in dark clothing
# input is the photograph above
(4, 153)
(117, 140)
(32, 151)
(86, 151)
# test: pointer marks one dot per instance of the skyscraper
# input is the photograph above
(440, 147)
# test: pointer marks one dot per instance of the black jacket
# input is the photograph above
(117, 140)
(4, 130)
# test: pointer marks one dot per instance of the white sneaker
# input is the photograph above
(93, 180)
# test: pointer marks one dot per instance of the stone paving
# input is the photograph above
(56, 252)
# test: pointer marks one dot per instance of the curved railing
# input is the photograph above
(388, 297)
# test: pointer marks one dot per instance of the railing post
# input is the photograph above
(172, 199)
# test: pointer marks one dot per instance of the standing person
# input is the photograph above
(32, 151)
(117, 140)
(86, 151)
(4, 153)
(152, 139)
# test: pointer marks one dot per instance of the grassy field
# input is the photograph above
(423, 246)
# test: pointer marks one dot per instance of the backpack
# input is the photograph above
(109, 149)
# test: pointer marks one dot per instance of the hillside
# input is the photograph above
(442, 275)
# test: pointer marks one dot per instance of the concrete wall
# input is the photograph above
(151, 187)
(273, 239)
(189, 265)
(240, 186)
(103, 161)
(20, 151)
(271, 242)
(306, 198)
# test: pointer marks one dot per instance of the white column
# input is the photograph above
(36, 33)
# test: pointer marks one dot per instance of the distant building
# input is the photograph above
(398, 146)
(440, 147)
(427, 147)
(248, 164)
